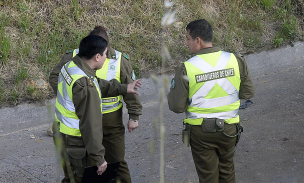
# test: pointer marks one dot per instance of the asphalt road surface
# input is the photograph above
(270, 150)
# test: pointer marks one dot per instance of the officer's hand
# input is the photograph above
(132, 87)
(132, 125)
(102, 168)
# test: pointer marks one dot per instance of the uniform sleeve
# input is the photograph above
(132, 100)
(53, 78)
(111, 88)
(87, 105)
(246, 86)
(179, 91)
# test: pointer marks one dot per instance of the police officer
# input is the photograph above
(117, 66)
(79, 106)
(208, 88)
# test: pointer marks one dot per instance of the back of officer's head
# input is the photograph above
(91, 45)
(100, 31)
(200, 28)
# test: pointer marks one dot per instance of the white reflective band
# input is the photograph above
(205, 67)
(77, 51)
(221, 115)
(65, 102)
(60, 79)
(201, 64)
(76, 70)
(198, 98)
(112, 69)
(68, 103)
(69, 122)
(109, 107)
(215, 102)
(227, 86)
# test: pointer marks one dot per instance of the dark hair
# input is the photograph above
(200, 28)
(100, 31)
(91, 45)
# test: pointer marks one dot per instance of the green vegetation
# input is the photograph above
(21, 74)
(37, 33)
(267, 4)
(14, 96)
(1, 90)
(5, 48)
(31, 89)
(5, 41)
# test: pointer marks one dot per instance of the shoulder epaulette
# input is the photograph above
(126, 56)
(69, 51)
(90, 82)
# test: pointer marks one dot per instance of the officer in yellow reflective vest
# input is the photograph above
(117, 66)
(79, 108)
(208, 88)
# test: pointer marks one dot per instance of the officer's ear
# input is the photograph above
(198, 40)
(98, 57)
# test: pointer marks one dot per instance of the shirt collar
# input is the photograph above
(111, 53)
(208, 50)
(84, 66)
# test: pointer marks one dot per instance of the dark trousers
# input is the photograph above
(73, 167)
(114, 143)
(209, 151)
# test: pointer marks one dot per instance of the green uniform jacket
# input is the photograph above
(179, 91)
(87, 107)
(132, 100)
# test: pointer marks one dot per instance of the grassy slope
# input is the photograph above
(34, 34)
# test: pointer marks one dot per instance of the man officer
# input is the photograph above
(208, 88)
(79, 107)
(117, 66)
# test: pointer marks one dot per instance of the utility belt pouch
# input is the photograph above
(208, 125)
(211, 125)
(186, 134)
(220, 124)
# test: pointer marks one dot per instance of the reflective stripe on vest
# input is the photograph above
(214, 82)
(65, 109)
(110, 70)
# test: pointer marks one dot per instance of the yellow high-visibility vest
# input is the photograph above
(110, 70)
(65, 110)
(214, 83)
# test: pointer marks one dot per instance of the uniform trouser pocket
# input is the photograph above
(77, 154)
